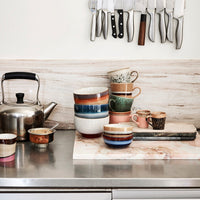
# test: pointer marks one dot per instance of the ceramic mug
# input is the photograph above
(158, 120)
(119, 117)
(125, 89)
(120, 104)
(123, 76)
(141, 118)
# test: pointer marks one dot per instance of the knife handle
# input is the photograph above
(99, 23)
(152, 26)
(142, 32)
(162, 26)
(170, 27)
(121, 23)
(93, 27)
(179, 33)
(130, 25)
(105, 24)
(113, 24)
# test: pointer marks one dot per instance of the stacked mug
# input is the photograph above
(121, 97)
(91, 111)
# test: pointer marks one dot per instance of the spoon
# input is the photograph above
(54, 126)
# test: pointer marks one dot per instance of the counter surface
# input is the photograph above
(55, 168)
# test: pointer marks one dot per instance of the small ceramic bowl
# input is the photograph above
(41, 137)
(90, 128)
(7, 147)
(91, 96)
(118, 117)
(91, 111)
(118, 129)
(118, 135)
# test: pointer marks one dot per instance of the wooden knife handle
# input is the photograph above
(141, 39)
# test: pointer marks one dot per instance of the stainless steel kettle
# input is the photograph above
(22, 115)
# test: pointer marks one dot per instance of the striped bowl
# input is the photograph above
(91, 96)
(91, 111)
(117, 141)
(118, 135)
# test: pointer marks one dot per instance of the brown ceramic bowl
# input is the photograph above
(91, 96)
(41, 137)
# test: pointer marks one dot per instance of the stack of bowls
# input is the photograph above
(91, 110)
(118, 135)
(121, 97)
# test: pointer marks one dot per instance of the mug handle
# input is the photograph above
(134, 73)
(111, 100)
(132, 118)
(148, 120)
(138, 92)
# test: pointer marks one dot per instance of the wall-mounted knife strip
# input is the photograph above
(172, 9)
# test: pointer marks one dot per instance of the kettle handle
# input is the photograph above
(21, 75)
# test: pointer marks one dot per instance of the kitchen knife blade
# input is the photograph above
(92, 6)
(160, 9)
(141, 5)
(170, 25)
(119, 8)
(151, 6)
(99, 18)
(105, 18)
(112, 14)
(128, 7)
(179, 8)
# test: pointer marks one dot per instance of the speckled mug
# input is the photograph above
(123, 76)
(141, 118)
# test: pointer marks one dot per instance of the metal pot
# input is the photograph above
(22, 115)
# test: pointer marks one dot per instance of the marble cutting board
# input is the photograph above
(96, 149)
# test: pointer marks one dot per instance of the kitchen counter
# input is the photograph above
(55, 168)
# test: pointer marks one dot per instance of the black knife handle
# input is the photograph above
(113, 24)
(121, 23)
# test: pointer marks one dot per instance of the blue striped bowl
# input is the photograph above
(117, 144)
(91, 111)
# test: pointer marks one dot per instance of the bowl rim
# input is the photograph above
(102, 90)
(29, 131)
(3, 136)
(117, 70)
(118, 127)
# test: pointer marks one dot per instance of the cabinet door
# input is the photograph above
(55, 196)
(156, 194)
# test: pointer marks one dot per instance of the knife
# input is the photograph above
(119, 8)
(112, 14)
(92, 6)
(99, 18)
(179, 8)
(160, 7)
(151, 6)
(105, 18)
(169, 11)
(128, 7)
(140, 5)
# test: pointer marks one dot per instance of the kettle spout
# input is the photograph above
(48, 109)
